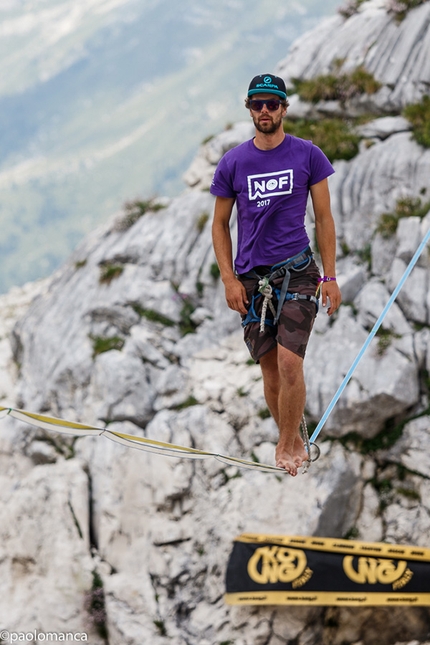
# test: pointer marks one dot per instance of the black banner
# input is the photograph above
(284, 570)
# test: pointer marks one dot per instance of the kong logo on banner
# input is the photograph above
(270, 184)
(283, 570)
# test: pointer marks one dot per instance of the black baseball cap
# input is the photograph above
(267, 83)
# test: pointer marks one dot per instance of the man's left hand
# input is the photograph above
(331, 291)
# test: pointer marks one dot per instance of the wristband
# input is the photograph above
(326, 279)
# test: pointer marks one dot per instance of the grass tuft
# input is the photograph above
(134, 210)
(350, 8)
(201, 222)
(418, 115)
(333, 135)
(400, 8)
(103, 344)
(385, 338)
(110, 271)
(152, 315)
(214, 271)
(337, 86)
(96, 608)
(188, 403)
(405, 207)
(264, 413)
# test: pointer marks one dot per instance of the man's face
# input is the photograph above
(265, 120)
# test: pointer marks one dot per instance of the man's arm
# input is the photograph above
(326, 239)
(235, 293)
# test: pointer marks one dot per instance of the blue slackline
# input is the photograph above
(375, 328)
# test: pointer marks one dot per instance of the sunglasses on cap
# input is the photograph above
(272, 105)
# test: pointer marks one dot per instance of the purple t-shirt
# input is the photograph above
(271, 188)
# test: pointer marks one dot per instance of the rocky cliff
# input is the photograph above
(133, 332)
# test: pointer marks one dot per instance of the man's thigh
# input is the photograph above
(298, 316)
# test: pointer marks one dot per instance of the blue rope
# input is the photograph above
(375, 328)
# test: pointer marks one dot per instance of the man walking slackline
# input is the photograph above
(275, 279)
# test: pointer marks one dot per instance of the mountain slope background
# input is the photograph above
(103, 101)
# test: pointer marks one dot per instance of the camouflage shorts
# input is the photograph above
(296, 319)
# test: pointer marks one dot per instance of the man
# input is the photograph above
(274, 280)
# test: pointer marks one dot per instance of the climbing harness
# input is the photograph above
(297, 263)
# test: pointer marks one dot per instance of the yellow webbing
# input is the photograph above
(142, 443)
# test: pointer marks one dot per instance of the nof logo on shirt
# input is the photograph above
(270, 183)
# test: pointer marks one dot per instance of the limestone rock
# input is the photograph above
(176, 527)
(200, 173)
(413, 298)
(396, 53)
(384, 127)
(384, 398)
(38, 562)
(370, 523)
(370, 303)
(412, 447)
(368, 185)
(134, 332)
(351, 278)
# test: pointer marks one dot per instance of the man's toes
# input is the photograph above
(288, 466)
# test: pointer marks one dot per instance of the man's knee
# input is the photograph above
(290, 366)
(269, 368)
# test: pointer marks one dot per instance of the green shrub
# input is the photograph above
(337, 86)
(109, 271)
(95, 606)
(350, 8)
(214, 271)
(186, 325)
(418, 115)
(207, 139)
(365, 255)
(264, 413)
(400, 8)
(103, 344)
(152, 315)
(333, 136)
(188, 403)
(161, 626)
(405, 207)
(385, 338)
(134, 210)
(409, 493)
(201, 222)
(352, 534)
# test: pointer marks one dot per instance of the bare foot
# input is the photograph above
(286, 461)
(299, 451)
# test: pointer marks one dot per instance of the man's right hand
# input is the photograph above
(235, 295)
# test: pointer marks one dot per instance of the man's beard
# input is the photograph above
(268, 128)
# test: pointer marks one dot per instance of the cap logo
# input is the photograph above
(266, 83)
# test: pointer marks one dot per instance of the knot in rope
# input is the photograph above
(266, 290)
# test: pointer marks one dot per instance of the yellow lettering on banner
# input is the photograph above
(278, 564)
(398, 584)
(302, 580)
(374, 570)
